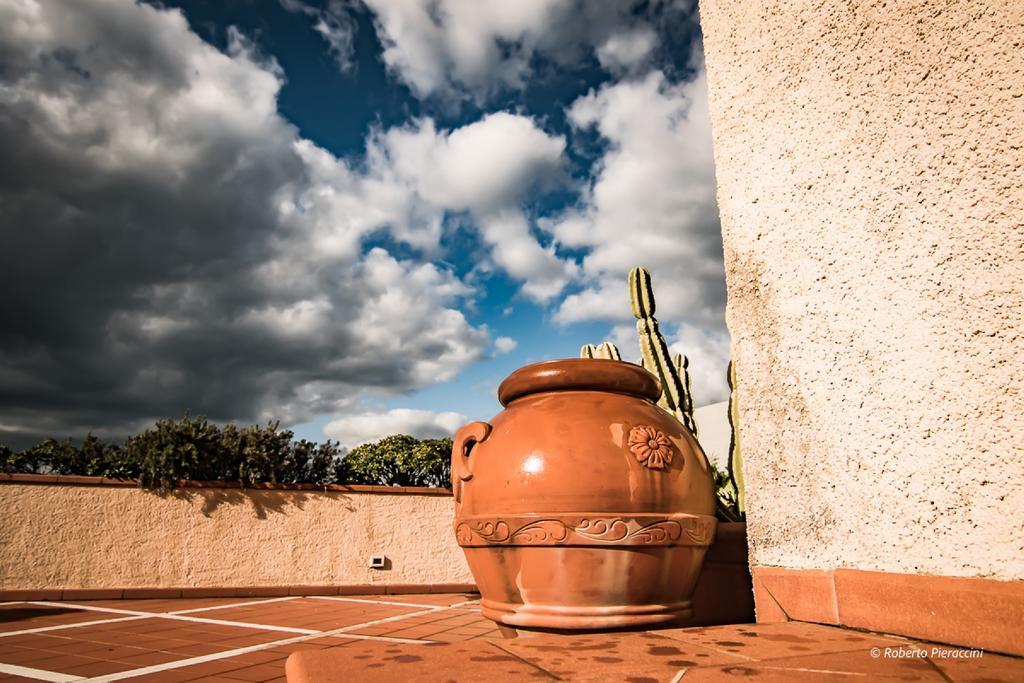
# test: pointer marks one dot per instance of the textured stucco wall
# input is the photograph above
(870, 163)
(123, 537)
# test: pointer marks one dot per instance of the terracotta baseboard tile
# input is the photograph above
(151, 593)
(453, 588)
(969, 612)
(798, 594)
(364, 589)
(30, 594)
(405, 589)
(413, 588)
(71, 594)
(766, 609)
(92, 594)
(972, 612)
(312, 590)
(257, 592)
(198, 592)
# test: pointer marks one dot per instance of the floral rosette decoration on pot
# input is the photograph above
(587, 503)
(650, 447)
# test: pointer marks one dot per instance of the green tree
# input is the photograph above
(398, 460)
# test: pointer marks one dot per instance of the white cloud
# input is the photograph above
(505, 344)
(627, 50)
(652, 203)
(354, 430)
(448, 47)
(708, 352)
(707, 348)
(460, 171)
(484, 166)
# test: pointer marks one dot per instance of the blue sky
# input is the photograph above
(355, 218)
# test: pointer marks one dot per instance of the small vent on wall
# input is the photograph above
(378, 562)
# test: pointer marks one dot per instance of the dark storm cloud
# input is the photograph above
(167, 243)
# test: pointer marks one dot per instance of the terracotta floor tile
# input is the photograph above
(634, 675)
(576, 656)
(767, 641)
(187, 673)
(310, 613)
(988, 667)
(859, 662)
(151, 658)
(261, 672)
(62, 663)
(163, 605)
(197, 649)
(98, 668)
(443, 599)
(372, 662)
(24, 657)
(22, 617)
(102, 651)
(416, 632)
(216, 668)
(330, 641)
(448, 637)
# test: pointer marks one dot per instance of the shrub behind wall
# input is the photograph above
(195, 449)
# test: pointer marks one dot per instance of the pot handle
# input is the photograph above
(462, 444)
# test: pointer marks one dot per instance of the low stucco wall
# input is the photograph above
(871, 190)
(58, 536)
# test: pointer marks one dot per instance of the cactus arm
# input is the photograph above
(654, 349)
(641, 293)
(682, 364)
(605, 350)
(735, 455)
(609, 351)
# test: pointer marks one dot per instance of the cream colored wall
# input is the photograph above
(870, 164)
(124, 537)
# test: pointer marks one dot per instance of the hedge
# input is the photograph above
(195, 449)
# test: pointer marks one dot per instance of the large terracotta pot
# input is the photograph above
(582, 505)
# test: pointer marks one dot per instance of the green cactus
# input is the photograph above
(735, 456)
(654, 350)
(605, 350)
(682, 364)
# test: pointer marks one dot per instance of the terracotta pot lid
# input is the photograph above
(579, 374)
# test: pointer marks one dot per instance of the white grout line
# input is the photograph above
(306, 634)
(234, 604)
(356, 627)
(386, 639)
(377, 602)
(38, 674)
(467, 602)
(58, 627)
(157, 668)
(93, 608)
(197, 620)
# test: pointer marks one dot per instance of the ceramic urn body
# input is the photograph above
(582, 505)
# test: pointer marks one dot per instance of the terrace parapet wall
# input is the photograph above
(63, 534)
